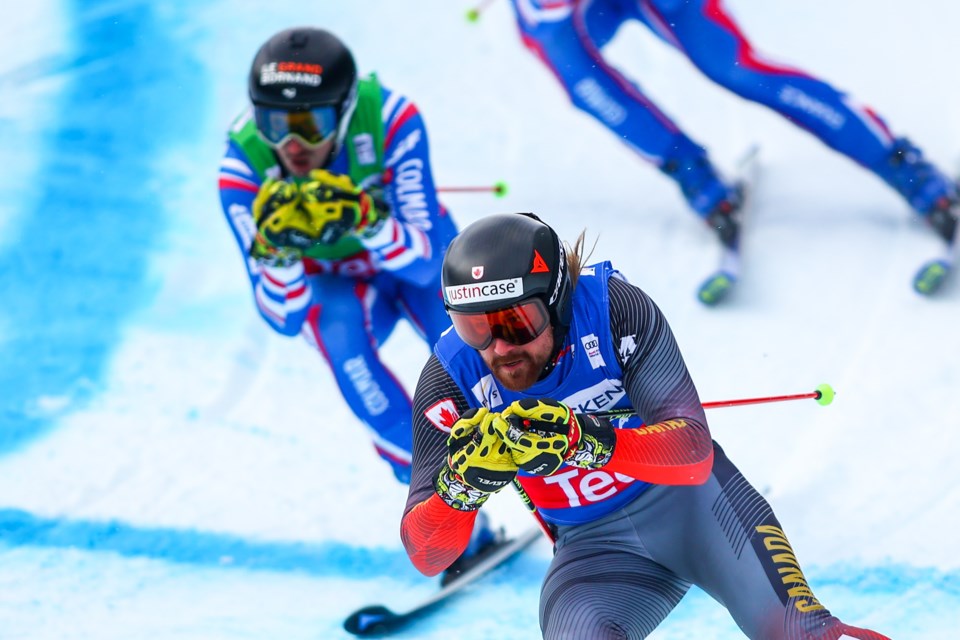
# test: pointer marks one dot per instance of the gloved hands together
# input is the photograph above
(321, 211)
(542, 434)
(280, 238)
(537, 435)
(337, 207)
(479, 462)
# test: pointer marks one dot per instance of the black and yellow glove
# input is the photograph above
(543, 434)
(336, 207)
(283, 232)
(479, 462)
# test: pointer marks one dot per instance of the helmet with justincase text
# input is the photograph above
(305, 69)
(504, 259)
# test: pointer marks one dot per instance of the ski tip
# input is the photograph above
(826, 394)
(370, 621)
(931, 276)
(715, 288)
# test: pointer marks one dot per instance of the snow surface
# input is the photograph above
(169, 468)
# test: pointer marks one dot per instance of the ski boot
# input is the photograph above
(725, 219)
(928, 191)
(943, 218)
(708, 195)
(932, 195)
(483, 540)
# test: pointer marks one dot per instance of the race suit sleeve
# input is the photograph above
(282, 293)
(433, 533)
(674, 446)
(403, 245)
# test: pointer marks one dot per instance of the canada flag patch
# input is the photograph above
(443, 414)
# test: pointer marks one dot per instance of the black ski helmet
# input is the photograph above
(509, 247)
(304, 68)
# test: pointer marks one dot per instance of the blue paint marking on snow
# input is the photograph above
(79, 265)
(889, 578)
(20, 528)
(183, 546)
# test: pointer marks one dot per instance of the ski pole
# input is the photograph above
(499, 189)
(532, 508)
(823, 394)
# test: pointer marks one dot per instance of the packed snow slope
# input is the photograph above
(170, 468)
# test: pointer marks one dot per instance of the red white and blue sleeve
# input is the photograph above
(404, 245)
(282, 293)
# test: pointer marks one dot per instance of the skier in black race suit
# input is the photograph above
(642, 507)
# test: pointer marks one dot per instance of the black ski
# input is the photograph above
(718, 284)
(378, 620)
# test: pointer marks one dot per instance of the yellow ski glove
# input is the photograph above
(479, 462)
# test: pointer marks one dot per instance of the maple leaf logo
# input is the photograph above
(442, 414)
(447, 417)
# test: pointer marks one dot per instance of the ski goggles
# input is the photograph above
(312, 127)
(517, 324)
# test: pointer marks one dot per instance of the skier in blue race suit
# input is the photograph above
(327, 186)
(569, 35)
(566, 380)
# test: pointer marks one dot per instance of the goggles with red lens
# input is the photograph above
(312, 127)
(517, 324)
